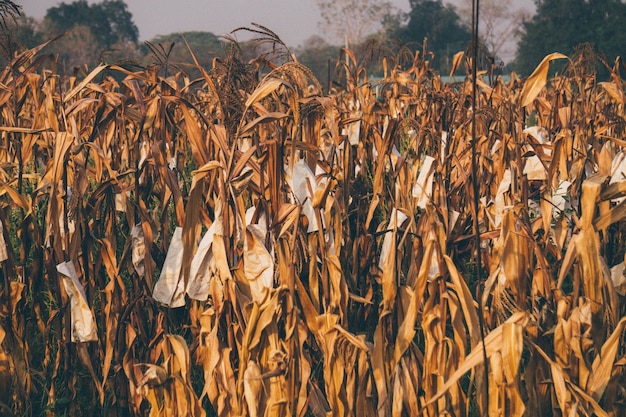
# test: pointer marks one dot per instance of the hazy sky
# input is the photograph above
(293, 20)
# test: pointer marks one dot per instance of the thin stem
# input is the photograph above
(476, 189)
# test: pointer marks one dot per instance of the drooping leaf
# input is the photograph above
(537, 80)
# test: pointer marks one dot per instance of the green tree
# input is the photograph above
(171, 50)
(93, 30)
(109, 21)
(562, 25)
(203, 44)
(10, 13)
(320, 57)
(18, 35)
(440, 25)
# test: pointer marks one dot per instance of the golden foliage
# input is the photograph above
(243, 246)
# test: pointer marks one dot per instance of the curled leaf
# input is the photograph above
(537, 80)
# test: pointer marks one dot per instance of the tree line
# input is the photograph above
(105, 32)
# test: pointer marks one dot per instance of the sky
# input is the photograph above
(292, 20)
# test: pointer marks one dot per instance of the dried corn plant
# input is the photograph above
(244, 244)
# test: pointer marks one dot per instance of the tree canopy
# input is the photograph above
(110, 21)
(562, 25)
(16, 31)
(352, 20)
(172, 48)
(201, 43)
(93, 32)
(440, 25)
(320, 57)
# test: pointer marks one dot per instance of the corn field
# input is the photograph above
(244, 244)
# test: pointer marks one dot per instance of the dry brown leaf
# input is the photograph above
(87, 80)
(493, 343)
(537, 80)
(267, 87)
(138, 246)
(614, 91)
(512, 348)
(265, 118)
(602, 367)
(252, 387)
(456, 62)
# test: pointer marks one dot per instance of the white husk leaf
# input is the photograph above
(169, 289)
(82, 320)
